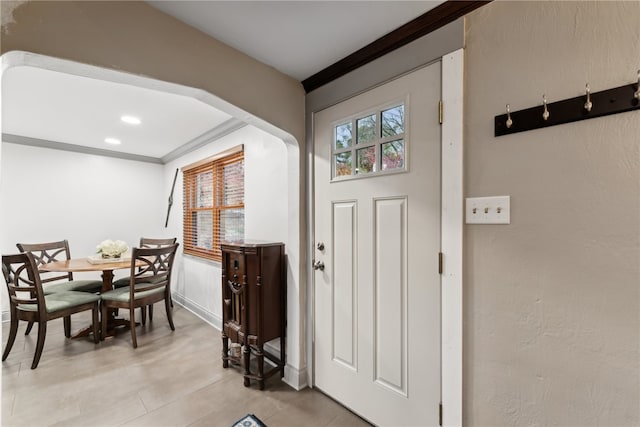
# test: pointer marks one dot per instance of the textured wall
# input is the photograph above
(552, 302)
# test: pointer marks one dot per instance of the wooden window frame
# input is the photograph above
(215, 165)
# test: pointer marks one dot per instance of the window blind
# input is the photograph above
(213, 203)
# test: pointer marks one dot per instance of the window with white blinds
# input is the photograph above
(213, 191)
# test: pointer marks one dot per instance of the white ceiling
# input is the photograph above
(54, 106)
(299, 38)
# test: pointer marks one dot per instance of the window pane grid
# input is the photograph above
(392, 138)
(379, 144)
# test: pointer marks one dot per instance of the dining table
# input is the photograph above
(107, 267)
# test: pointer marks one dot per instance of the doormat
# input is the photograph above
(249, 420)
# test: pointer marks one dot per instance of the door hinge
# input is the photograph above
(440, 414)
(440, 262)
(440, 111)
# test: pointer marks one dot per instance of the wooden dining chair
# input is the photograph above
(28, 302)
(148, 284)
(146, 242)
(44, 253)
(54, 282)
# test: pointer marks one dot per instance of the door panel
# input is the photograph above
(377, 301)
(390, 314)
(344, 303)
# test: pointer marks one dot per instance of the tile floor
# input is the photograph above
(171, 379)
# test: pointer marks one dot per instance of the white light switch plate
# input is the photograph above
(488, 210)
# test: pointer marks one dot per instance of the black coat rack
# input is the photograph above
(587, 106)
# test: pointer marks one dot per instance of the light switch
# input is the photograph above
(488, 210)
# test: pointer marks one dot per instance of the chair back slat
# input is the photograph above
(44, 253)
(156, 269)
(146, 242)
(23, 280)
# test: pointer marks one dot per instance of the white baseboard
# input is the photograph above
(296, 378)
(193, 307)
(209, 317)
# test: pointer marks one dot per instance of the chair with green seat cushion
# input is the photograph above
(44, 253)
(28, 302)
(146, 242)
(148, 284)
(74, 285)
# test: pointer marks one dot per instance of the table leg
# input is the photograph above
(107, 283)
(84, 332)
(112, 321)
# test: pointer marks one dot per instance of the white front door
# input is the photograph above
(377, 213)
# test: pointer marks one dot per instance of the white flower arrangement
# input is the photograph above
(111, 249)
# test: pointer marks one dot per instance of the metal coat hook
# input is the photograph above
(584, 106)
(588, 105)
(545, 113)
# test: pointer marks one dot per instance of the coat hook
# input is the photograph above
(637, 94)
(509, 121)
(588, 105)
(545, 114)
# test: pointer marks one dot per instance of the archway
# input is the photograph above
(294, 373)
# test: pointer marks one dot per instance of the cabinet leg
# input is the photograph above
(260, 360)
(225, 351)
(282, 354)
(246, 352)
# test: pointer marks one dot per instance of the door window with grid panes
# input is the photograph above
(370, 144)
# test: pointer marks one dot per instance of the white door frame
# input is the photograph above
(452, 224)
(451, 244)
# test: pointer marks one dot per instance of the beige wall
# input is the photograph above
(134, 37)
(552, 302)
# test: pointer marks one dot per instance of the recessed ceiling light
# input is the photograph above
(131, 120)
(113, 141)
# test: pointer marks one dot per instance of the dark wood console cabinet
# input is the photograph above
(253, 305)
